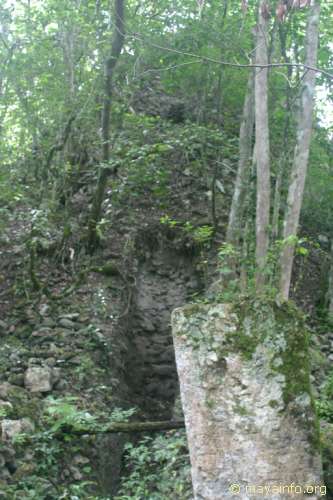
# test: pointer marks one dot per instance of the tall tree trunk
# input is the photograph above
(330, 285)
(284, 159)
(105, 171)
(219, 90)
(301, 155)
(262, 145)
(249, 226)
(244, 166)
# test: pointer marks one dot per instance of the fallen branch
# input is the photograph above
(126, 427)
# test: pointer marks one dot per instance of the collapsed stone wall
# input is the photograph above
(109, 344)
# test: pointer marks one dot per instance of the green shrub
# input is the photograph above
(159, 468)
(325, 403)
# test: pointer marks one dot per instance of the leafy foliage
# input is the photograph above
(53, 444)
(158, 468)
(325, 402)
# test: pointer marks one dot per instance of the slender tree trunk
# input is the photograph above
(69, 48)
(219, 90)
(249, 226)
(330, 285)
(105, 171)
(4, 85)
(301, 155)
(262, 145)
(244, 166)
(284, 157)
(277, 201)
(243, 275)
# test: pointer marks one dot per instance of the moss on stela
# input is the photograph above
(241, 410)
(191, 309)
(211, 403)
(283, 332)
(253, 322)
(281, 329)
(295, 364)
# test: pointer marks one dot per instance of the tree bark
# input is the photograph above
(262, 145)
(330, 285)
(301, 154)
(105, 171)
(284, 159)
(244, 164)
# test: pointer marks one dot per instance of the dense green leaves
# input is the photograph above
(158, 468)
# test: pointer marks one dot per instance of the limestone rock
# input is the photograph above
(10, 428)
(5, 389)
(56, 375)
(44, 333)
(75, 472)
(67, 323)
(70, 316)
(38, 379)
(245, 390)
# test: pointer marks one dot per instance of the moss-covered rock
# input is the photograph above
(244, 373)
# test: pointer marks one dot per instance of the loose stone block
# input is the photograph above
(10, 428)
(38, 379)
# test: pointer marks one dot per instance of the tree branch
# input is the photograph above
(324, 72)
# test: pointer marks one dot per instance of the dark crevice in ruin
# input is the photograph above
(165, 279)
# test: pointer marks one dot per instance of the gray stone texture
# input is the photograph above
(245, 427)
(38, 379)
